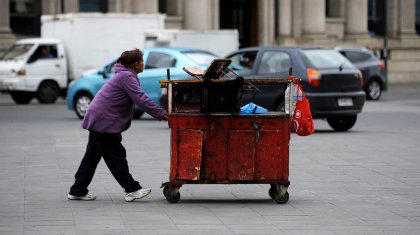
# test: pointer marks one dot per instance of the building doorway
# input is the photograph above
(243, 16)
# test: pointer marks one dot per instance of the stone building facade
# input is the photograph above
(270, 22)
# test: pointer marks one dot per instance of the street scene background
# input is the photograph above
(364, 181)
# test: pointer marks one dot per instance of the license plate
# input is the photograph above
(345, 102)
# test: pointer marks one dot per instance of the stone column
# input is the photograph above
(313, 15)
(408, 35)
(285, 15)
(137, 6)
(174, 13)
(408, 18)
(266, 23)
(297, 19)
(71, 6)
(201, 15)
(6, 36)
(356, 12)
(145, 6)
(393, 24)
(50, 7)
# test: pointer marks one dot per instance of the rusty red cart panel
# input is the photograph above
(227, 149)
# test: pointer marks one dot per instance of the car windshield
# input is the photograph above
(327, 59)
(17, 52)
(201, 58)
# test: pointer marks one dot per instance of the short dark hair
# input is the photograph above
(129, 58)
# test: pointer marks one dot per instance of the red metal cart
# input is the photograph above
(225, 147)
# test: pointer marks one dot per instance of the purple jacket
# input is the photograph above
(112, 108)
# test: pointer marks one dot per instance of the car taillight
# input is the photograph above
(314, 76)
(381, 65)
(360, 78)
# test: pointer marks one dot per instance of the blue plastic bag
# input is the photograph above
(252, 108)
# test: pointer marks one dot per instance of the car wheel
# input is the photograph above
(21, 97)
(47, 93)
(342, 123)
(137, 114)
(81, 103)
(374, 90)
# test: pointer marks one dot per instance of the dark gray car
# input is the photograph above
(373, 70)
(331, 83)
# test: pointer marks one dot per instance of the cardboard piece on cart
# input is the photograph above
(215, 70)
(194, 71)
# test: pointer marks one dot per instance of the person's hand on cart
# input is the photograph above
(165, 117)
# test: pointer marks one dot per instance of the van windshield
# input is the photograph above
(17, 52)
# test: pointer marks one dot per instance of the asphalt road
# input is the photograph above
(364, 181)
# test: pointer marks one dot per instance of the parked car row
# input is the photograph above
(333, 85)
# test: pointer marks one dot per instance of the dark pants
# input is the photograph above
(108, 146)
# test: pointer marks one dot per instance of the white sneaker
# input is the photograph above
(129, 197)
(86, 197)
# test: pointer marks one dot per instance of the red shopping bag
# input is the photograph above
(302, 117)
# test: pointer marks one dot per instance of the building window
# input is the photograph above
(93, 6)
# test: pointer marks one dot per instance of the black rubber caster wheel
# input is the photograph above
(165, 190)
(171, 198)
(272, 191)
(281, 199)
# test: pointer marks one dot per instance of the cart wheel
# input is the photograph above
(272, 191)
(165, 190)
(281, 199)
(172, 198)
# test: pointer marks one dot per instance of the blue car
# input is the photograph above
(157, 60)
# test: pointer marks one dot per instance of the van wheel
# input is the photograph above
(21, 97)
(81, 103)
(342, 123)
(47, 93)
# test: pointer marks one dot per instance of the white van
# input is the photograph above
(34, 67)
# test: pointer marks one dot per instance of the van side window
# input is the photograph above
(45, 52)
